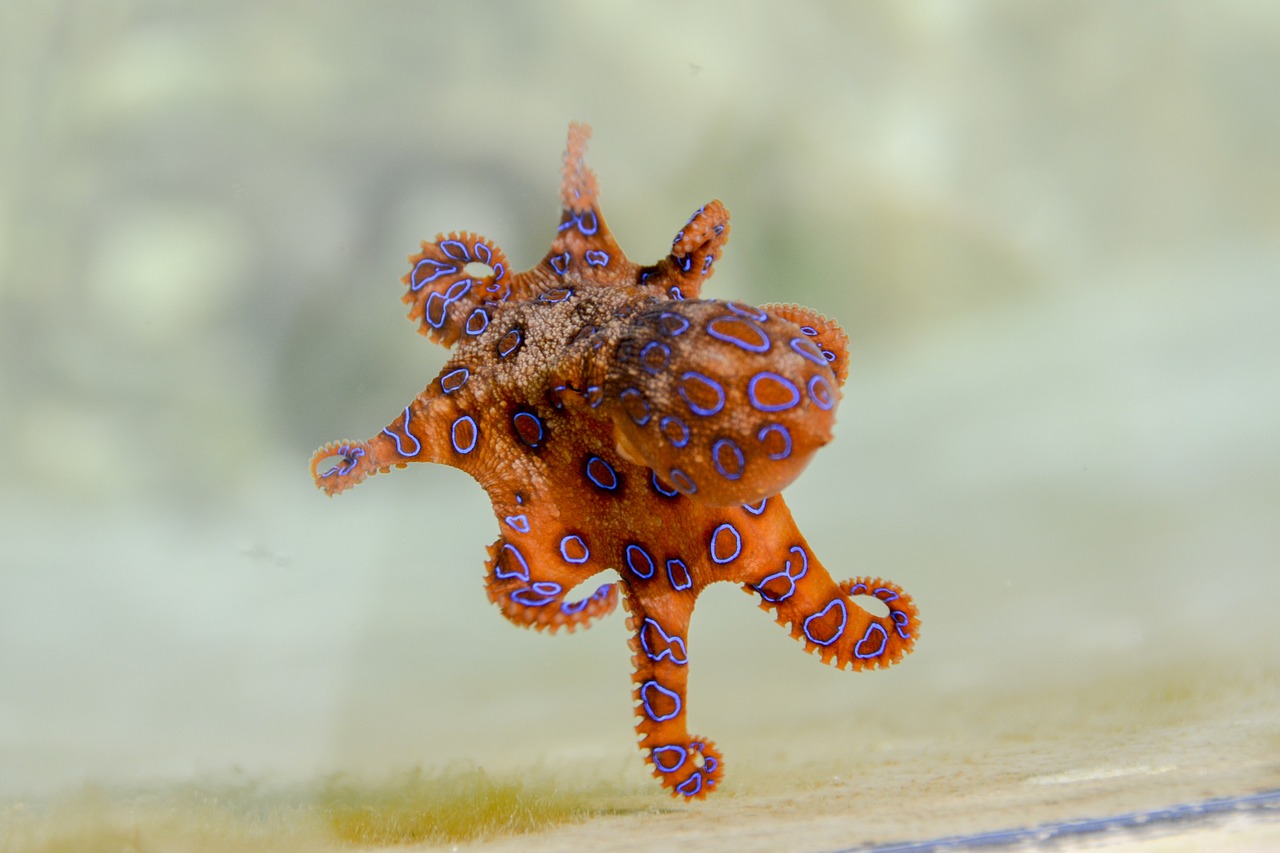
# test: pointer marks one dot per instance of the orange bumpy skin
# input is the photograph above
(618, 421)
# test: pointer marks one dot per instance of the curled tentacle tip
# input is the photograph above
(349, 466)
(690, 770)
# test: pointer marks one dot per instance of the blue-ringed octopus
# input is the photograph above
(620, 422)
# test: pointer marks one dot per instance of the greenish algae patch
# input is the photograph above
(445, 806)
(459, 805)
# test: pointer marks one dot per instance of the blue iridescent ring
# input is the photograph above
(674, 430)
(708, 382)
(717, 555)
(678, 574)
(835, 635)
(575, 542)
(793, 393)
(736, 462)
(601, 473)
(647, 699)
(639, 561)
(763, 435)
(477, 322)
(454, 379)
(820, 393)
(466, 443)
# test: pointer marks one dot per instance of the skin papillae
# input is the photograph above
(618, 421)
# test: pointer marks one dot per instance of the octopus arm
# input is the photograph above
(824, 333)
(792, 583)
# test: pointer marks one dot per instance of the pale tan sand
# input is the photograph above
(988, 764)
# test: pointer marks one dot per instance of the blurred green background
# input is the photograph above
(1052, 231)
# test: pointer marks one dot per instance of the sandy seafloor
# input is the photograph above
(1052, 232)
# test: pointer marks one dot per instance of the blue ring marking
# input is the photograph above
(540, 594)
(780, 379)
(446, 245)
(417, 445)
(475, 434)
(664, 323)
(686, 263)
(885, 594)
(582, 223)
(645, 276)
(756, 508)
(594, 395)
(858, 589)
(597, 258)
(690, 787)
(483, 253)
(505, 349)
(681, 754)
(518, 522)
(522, 573)
(786, 575)
(808, 350)
(454, 379)
(829, 356)
(728, 474)
(676, 566)
(709, 763)
(557, 294)
(519, 418)
(900, 622)
(634, 393)
(560, 263)
(573, 538)
(635, 554)
(765, 430)
(457, 290)
(749, 311)
(441, 268)
(878, 630)
(650, 347)
(566, 225)
(682, 481)
(844, 620)
(676, 293)
(820, 393)
(477, 322)
(670, 640)
(602, 471)
(350, 457)
(659, 488)
(809, 330)
(710, 383)
(715, 538)
(436, 310)
(648, 707)
(707, 262)
(498, 272)
(730, 338)
(672, 420)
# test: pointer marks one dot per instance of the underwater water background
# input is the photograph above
(1051, 231)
